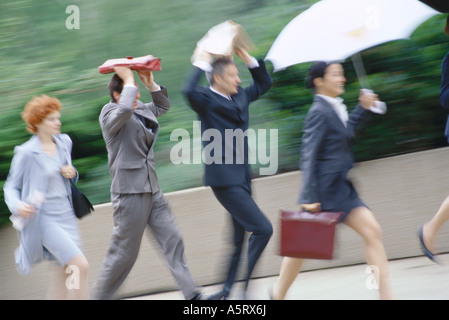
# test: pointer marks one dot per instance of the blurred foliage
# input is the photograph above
(41, 56)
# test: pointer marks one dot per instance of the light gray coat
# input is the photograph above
(27, 175)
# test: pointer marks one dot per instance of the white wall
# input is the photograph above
(402, 191)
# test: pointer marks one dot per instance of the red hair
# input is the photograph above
(37, 110)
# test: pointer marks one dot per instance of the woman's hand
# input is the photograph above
(26, 210)
(367, 99)
(68, 171)
(311, 207)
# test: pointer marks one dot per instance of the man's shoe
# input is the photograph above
(217, 296)
(199, 296)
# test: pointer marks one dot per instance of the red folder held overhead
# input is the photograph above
(140, 63)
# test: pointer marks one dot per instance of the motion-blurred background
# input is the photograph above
(40, 55)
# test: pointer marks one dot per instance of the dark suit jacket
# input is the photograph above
(326, 155)
(218, 114)
(444, 90)
(129, 143)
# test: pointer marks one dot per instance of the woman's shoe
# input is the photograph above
(424, 249)
(270, 293)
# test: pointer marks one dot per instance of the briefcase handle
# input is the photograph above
(303, 209)
(324, 217)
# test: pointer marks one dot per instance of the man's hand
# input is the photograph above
(243, 55)
(204, 56)
(147, 79)
(125, 74)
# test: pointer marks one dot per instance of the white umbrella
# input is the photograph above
(333, 30)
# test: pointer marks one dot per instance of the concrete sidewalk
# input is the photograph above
(412, 279)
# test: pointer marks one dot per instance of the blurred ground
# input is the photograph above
(412, 279)
(403, 191)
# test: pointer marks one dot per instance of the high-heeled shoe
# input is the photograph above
(424, 249)
(270, 293)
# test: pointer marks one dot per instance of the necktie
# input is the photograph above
(147, 123)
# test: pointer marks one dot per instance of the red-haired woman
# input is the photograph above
(38, 194)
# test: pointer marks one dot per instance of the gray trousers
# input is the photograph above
(132, 213)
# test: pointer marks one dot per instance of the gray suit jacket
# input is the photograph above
(326, 155)
(129, 141)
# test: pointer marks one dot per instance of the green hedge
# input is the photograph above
(39, 55)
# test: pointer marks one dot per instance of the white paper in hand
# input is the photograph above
(36, 199)
(222, 38)
(380, 107)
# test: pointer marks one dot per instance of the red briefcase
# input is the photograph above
(308, 235)
(140, 63)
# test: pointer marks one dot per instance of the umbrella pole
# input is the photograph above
(360, 71)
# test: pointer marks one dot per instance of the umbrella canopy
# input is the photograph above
(333, 30)
(440, 5)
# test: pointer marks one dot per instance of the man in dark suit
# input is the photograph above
(225, 106)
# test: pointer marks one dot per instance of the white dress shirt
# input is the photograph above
(339, 107)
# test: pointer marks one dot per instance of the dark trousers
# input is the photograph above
(246, 217)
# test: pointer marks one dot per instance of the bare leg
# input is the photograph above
(70, 282)
(362, 221)
(57, 289)
(431, 228)
(76, 278)
(290, 268)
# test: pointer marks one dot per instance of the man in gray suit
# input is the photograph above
(130, 129)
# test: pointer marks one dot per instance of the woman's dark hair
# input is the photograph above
(316, 70)
(115, 84)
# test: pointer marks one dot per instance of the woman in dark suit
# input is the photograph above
(326, 159)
